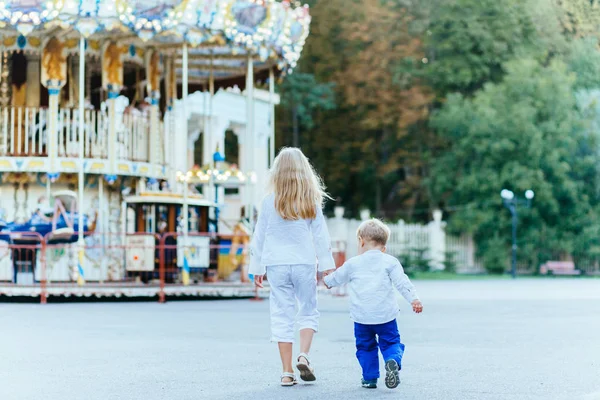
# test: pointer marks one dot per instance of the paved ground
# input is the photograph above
(529, 339)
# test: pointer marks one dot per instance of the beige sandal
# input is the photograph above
(290, 376)
(307, 372)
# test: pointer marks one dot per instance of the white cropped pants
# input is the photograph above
(293, 299)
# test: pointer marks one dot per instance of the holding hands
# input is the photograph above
(325, 273)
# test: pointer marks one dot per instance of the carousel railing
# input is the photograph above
(24, 133)
(95, 134)
(114, 263)
(133, 136)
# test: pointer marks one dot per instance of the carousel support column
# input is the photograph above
(211, 95)
(48, 188)
(184, 91)
(249, 139)
(210, 135)
(100, 217)
(81, 86)
(167, 117)
(154, 132)
(185, 275)
(271, 115)
(153, 78)
(51, 140)
(112, 130)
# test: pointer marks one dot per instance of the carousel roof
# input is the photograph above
(220, 33)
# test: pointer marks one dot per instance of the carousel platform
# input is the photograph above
(124, 292)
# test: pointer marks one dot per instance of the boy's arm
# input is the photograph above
(338, 277)
(402, 283)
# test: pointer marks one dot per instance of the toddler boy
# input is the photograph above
(371, 278)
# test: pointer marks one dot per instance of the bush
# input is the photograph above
(421, 262)
(450, 261)
(495, 256)
(414, 260)
(407, 263)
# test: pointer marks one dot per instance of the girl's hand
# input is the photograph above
(417, 306)
(258, 280)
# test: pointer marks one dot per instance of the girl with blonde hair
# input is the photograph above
(290, 236)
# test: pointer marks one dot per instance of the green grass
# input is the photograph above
(450, 276)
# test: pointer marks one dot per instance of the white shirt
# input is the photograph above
(277, 241)
(371, 279)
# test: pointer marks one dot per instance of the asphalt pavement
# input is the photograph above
(482, 340)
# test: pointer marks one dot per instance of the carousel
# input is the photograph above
(135, 140)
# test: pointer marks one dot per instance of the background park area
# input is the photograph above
(406, 107)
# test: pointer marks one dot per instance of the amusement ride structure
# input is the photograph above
(115, 172)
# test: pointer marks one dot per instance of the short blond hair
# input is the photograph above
(374, 231)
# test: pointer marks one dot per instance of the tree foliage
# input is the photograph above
(526, 132)
(303, 96)
(468, 42)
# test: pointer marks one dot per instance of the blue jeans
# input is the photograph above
(370, 339)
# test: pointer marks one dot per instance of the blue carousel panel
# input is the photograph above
(208, 13)
(153, 9)
(195, 16)
(249, 16)
(88, 7)
(296, 31)
(27, 6)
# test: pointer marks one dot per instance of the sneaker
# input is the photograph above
(370, 384)
(392, 377)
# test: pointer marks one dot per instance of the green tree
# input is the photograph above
(583, 61)
(526, 132)
(376, 132)
(580, 18)
(303, 95)
(468, 42)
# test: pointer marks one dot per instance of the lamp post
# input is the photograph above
(512, 203)
(217, 158)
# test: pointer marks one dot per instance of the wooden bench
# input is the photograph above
(559, 268)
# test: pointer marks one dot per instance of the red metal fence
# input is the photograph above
(143, 265)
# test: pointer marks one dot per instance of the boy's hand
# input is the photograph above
(328, 272)
(417, 306)
(258, 280)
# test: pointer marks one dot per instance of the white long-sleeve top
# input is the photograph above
(277, 241)
(372, 277)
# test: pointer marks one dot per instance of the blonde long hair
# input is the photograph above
(297, 187)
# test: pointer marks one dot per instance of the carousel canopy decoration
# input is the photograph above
(271, 29)
(26, 15)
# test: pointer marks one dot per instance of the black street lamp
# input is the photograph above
(512, 203)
